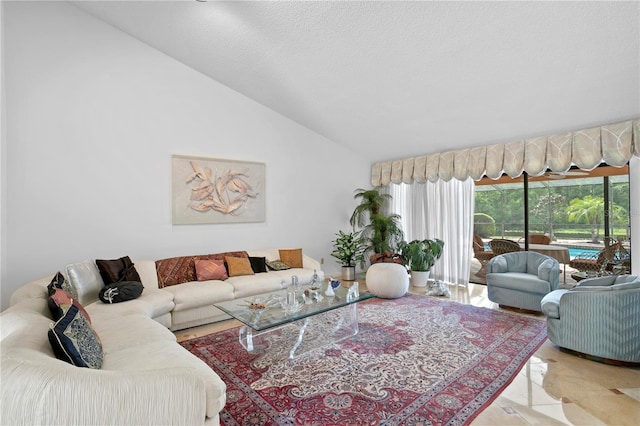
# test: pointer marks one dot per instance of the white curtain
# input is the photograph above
(441, 210)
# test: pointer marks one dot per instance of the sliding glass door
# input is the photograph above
(580, 210)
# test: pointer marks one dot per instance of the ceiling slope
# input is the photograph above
(395, 79)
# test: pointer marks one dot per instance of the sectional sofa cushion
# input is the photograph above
(113, 271)
(178, 270)
(74, 341)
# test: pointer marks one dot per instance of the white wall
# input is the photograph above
(634, 217)
(93, 119)
(3, 145)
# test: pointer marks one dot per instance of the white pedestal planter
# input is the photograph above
(419, 279)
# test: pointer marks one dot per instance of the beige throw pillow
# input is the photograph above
(238, 266)
(292, 257)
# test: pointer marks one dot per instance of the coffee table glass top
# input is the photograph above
(269, 310)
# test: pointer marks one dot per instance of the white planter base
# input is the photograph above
(419, 279)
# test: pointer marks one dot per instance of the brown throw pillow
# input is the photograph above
(238, 266)
(292, 257)
(114, 271)
(211, 270)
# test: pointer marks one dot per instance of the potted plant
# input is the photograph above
(381, 232)
(420, 256)
(348, 248)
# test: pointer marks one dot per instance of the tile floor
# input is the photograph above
(553, 388)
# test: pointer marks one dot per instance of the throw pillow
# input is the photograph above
(85, 280)
(61, 283)
(211, 270)
(277, 265)
(292, 257)
(73, 340)
(117, 270)
(121, 292)
(60, 301)
(238, 266)
(258, 264)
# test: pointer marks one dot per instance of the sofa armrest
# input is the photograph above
(98, 397)
(32, 290)
(310, 263)
(550, 303)
(606, 280)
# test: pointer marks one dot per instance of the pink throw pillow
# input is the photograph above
(211, 270)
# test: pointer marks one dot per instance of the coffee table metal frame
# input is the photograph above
(336, 318)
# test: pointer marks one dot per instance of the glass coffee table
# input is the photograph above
(310, 320)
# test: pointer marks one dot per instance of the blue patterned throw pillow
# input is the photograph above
(73, 340)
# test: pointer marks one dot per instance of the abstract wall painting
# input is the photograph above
(211, 190)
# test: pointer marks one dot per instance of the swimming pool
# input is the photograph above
(573, 251)
(592, 253)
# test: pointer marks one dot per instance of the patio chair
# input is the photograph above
(539, 239)
(501, 246)
(596, 263)
(481, 254)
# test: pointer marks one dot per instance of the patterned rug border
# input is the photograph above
(463, 416)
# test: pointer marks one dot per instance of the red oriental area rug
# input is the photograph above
(417, 360)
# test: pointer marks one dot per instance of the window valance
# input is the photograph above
(613, 144)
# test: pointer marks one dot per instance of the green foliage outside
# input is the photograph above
(484, 225)
(549, 210)
(591, 210)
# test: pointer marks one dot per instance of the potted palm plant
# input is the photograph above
(420, 256)
(380, 231)
(348, 248)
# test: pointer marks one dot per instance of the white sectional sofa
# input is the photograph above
(146, 378)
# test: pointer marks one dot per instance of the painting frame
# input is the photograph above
(206, 190)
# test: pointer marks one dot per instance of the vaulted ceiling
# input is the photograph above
(394, 79)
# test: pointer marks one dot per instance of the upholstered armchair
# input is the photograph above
(521, 279)
(599, 318)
